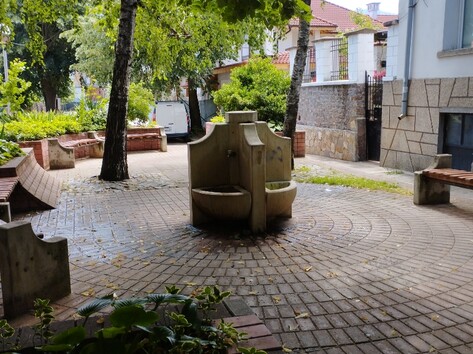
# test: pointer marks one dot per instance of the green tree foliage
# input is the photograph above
(363, 21)
(140, 101)
(7, 7)
(256, 86)
(37, 29)
(93, 48)
(13, 91)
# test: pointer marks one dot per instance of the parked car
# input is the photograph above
(174, 117)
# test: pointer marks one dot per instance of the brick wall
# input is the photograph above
(330, 116)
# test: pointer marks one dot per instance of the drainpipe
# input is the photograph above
(407, 59)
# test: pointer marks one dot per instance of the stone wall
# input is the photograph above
(329, 114)
(410, 144)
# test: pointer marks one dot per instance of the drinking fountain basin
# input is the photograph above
(229, 202)
(279, 197)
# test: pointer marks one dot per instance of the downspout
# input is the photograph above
(407, 59)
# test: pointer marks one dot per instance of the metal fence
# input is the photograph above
(309, 71)
(339, 50)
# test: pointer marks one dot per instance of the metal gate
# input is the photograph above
(373, 112)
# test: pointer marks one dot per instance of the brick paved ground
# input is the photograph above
(352, 272)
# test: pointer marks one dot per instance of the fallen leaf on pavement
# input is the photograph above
(302, 315)
(90, 292)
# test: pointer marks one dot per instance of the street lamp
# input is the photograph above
(5, 36)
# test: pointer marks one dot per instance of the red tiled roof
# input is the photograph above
(315, 22)
(387, 18)
(336, 14)
(281, 58)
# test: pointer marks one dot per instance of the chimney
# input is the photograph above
(373, 9)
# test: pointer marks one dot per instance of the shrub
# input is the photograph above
(140, 101)
(92, 113)
(258, 86)
(39, 125)
(9, 150)
(158, 323)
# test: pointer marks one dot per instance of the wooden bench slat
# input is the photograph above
(452, 176)
(7, 185)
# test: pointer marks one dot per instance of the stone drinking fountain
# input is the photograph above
(240, 170)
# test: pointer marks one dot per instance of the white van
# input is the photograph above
(173, 116)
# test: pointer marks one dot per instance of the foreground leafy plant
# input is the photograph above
(135, 328)
(6, 331)
(9, 150)
(44, 312)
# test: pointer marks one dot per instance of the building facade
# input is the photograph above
(429, 67)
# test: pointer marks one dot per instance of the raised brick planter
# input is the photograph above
(138, 139)
(298, 144)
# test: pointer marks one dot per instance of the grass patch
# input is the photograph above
(303, 175)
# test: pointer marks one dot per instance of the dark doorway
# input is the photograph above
(458, 139)
(373, 113)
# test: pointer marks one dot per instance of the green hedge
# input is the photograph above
(9, 150)
(40, 125)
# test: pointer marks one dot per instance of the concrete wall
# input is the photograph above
(329, 114)
(410, 144)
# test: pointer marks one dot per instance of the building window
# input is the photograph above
(458, 139)
(467, 33)
(458, 26)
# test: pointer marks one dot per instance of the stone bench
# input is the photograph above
(31, 268)
(432, 185)
(64, 151)
(146, 139)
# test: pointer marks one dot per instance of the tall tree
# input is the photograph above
(114, 163)
(37, 26)
(292, 109)
(114, 166)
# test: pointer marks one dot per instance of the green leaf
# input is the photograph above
(189, 310)
(71, 336)
(93, 307)
(56, 348)
(132, 315)
(164, 333)
(167, 298)
(129, 302)
(112, 332)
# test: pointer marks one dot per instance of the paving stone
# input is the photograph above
(386, 276)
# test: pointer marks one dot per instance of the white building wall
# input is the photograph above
(392, 52)
(360, 54)
(428, 35)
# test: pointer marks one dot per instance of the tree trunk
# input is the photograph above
(114, 164)
(194, 110)
(296, 81)
(49, 94)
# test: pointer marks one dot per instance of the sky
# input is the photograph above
(386, 6)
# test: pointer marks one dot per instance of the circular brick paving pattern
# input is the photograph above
(353, 271)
